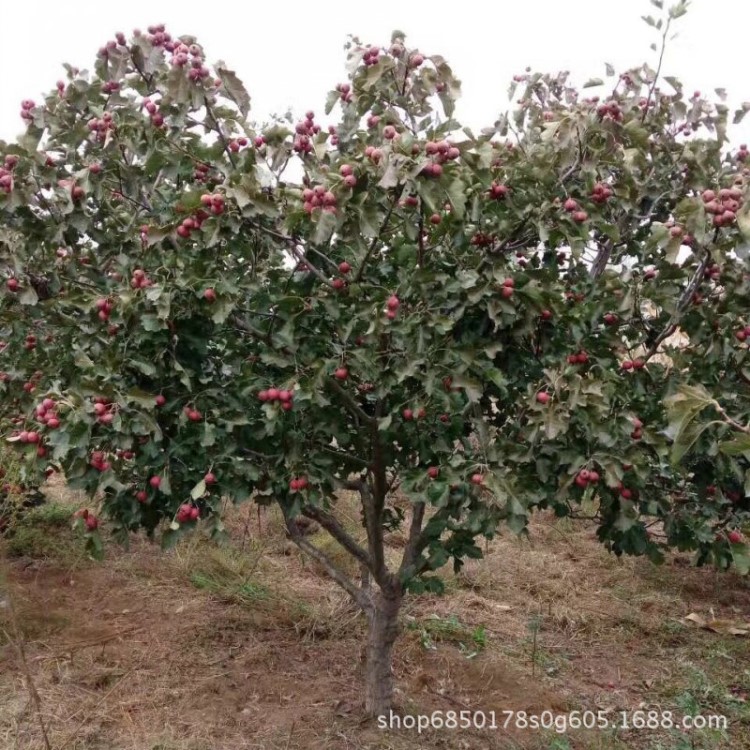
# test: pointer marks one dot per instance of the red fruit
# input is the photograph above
(287, 405)
(421, 414)
(155, 481)
(408, 414)
(579, 216)
(345, 170)
(735, 537)
(272, 394)
(141, 496)
(194, 415)
(294, 485)
(593, 477)
(210, 478)
(341, 373)
(53, 423)
(194, 514)
(546, 315)
(627, 365)
(444, 418)
(393, 302)
(626, 493)
(506, 291)
(477, 479)
(344, 267)
(581, 482)
(183, 231)
(12, 285)
(338, 284)
(209, 295)
(542, 397)
(160, 400)
(41, 451)
(48, 403)
(610, 319)
(570, 205)
(435, 219)
(91, 522)
(433, 472)
(285, 396)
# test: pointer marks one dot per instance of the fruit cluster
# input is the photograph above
(585, 477)
(99, 461)
(104, 308)
(26, 106)
(601, 193)
(318, 197)
(371, 56)
(192, 414)
(187, 512)
(303, 132)
(157, 119)
(576, 213)
(284, 397)
(346, 92)
(609, 110)
(104, 410)
(6, 173)
(498, 191)
(140, 280)
(723, 206)
(298, 483)
(442, 151)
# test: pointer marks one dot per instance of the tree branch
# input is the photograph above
(337, 575)
(415, 529)
(338, 532)
(220, 133)
(379, 235)
(658, 69)
(681, 305)
(353, 407)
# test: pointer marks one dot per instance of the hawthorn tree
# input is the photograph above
(459, 327)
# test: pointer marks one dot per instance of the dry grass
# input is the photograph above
(250, 646)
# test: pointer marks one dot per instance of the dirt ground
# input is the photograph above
(250, 646)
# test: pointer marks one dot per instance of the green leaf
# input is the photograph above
(741, 558)
(324, 228)
(28, 296)
(178, 86)
(199, 490)
(736, 447)
(235, 88)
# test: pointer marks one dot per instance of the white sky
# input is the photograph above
(289, 54)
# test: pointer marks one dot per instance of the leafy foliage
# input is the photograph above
(528, 317)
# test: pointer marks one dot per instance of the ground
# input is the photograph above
(250, 646)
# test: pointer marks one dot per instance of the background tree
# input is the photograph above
(482, 324)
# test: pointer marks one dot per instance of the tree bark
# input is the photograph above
(382, 620)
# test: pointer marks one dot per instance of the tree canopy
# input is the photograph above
(460, 327)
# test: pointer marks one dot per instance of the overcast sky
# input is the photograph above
(289, 54)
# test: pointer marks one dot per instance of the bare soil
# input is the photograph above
(250, 646)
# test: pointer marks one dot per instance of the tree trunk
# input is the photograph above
(381, 635)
